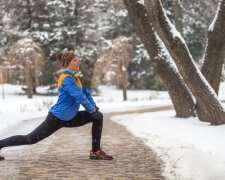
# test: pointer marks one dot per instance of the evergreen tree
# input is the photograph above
(84, 26)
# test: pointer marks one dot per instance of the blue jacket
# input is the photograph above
(70, 96)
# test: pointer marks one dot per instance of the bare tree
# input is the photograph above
(160, 58)
(115, 58)
(28, 57)
(208, 108)
(28, 76)
(122, 54)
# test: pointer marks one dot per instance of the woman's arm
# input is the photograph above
(89, 96)
(73, 90)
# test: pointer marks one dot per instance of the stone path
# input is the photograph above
(64, 155)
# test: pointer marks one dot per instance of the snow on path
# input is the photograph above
(191, 149)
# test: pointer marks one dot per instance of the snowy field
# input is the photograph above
(191, 149)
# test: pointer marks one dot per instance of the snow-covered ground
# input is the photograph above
(191, 149)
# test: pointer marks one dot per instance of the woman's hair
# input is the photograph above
(65, 58)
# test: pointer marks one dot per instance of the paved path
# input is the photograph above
(64, 155)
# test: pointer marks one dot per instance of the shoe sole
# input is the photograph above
(99, 158)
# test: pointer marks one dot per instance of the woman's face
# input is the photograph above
(74, 65)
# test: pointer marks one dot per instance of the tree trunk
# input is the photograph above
(29, 12)
(34, 86)
(76, 14)
(124, 93)
(124, 80)
(180, 95)
(214, 56)
(178, 15)
(212, 110)
(215, 51)
(2, 81)
(28, 78)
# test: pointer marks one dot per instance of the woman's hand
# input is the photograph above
(96, 115)
(97, 108)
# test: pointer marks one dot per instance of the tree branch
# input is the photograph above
(214, 55)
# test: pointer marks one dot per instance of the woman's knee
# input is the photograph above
(96, 115)
(100, 116)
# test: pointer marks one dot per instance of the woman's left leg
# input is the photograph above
(45, 129)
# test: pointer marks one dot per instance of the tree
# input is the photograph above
(122, 53)
(208, 108)
(211, 109)
(28, 58)
(213, 58)
(80, 25)
(178, 15)
(115, 57)
(197, 16)
(161, 60)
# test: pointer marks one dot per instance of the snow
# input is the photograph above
(141, 2)
(15, 107)
(191, 149)
(175, 33)
(165, 55)
(6, 20)
(212, 25)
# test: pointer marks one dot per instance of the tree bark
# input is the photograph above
(215, 50)
(124, 94)
(29, 12)
(181, 97)
(178, 15)
(28, 78)
(211, 109)
(179, 93)
(122, 80)
(76, 14)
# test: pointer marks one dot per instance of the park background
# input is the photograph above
(115, 66)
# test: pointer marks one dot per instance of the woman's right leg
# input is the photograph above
(45, 129)
(84, 117)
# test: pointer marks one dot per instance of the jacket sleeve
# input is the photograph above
(73, 90)
(89, 96)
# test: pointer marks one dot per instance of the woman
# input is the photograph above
(65, 113)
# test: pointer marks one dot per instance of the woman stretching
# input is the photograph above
(65, 113)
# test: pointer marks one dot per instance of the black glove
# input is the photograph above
(97, 108)
(96, 115)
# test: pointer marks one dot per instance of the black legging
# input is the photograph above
(52, 124)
